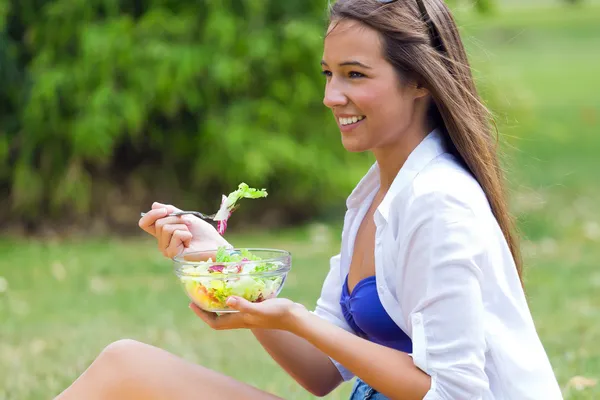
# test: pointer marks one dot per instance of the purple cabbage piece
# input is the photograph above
(216, 268)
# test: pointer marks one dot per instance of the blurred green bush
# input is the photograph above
(108, 105)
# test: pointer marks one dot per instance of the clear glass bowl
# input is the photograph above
(209, 283)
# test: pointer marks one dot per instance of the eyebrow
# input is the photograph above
(345, 63)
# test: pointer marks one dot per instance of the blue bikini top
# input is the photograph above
(365, 314)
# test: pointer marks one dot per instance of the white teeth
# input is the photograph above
(351, 120)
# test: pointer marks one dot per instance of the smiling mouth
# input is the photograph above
(349, 121)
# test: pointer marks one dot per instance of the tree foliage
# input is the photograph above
(109, 104)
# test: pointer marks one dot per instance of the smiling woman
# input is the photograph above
(424, 299)
(369, 110)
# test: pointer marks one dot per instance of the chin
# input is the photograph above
(353, 146)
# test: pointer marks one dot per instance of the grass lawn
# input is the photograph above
(62, 302)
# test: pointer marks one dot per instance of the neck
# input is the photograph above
(392, 157)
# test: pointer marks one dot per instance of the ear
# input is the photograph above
(420, 90)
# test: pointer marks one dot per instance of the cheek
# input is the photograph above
(383, 103)
(370, 101)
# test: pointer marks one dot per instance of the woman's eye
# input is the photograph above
(352, 74)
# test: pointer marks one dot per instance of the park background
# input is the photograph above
(107, 106)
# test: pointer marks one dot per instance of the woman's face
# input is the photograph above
(371, 106)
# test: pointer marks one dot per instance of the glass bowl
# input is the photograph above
(254, 274)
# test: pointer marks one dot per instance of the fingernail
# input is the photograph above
(231, 301)
(163, 210)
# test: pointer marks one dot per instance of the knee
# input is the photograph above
(122, 354)
(124, 347)
(114, 372)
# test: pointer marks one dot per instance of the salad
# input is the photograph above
(239, 273)
(228, 204)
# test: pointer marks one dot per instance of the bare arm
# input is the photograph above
(391, 372)
(308, 365)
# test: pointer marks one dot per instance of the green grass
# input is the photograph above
(61, 302)
(66, 301)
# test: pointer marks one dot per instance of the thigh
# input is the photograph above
(132, 370)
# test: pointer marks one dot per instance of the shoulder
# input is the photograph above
(443, 217)
(444, 191)
(446, 186)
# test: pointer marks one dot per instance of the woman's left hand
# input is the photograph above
(275, 313)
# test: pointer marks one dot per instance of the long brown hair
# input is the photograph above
(421, 40)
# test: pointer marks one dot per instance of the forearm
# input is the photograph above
(389, 371)
(308, 365)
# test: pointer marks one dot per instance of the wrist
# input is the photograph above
(296, 318)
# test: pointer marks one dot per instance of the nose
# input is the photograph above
(334, 96)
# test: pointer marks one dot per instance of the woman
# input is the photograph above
(424, 300)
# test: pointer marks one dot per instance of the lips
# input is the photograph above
(349, 123)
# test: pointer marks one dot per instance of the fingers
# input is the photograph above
(249, 312)
(240, 304)
(219, 322)
(169, 207)
(205, 316)
(172, 232)
(147, 221)
(165, 228)
(179, 242)
(159, 210)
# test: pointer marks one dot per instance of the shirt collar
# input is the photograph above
(429, 148)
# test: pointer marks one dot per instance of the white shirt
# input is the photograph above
(446, 276)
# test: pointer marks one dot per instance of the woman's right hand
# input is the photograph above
(181, 234)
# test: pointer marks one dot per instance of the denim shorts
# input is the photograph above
(362, 391)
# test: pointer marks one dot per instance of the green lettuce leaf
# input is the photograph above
(228, 203)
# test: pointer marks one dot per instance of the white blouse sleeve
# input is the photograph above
(329, 308)
(440, 292)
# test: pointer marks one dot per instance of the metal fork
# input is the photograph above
(196, 213)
